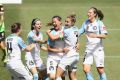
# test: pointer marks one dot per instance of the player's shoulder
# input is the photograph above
(87, 21)
(99, 22)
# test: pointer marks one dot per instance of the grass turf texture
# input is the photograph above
(45, 9)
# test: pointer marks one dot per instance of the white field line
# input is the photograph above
(46, 30)
(108, 57)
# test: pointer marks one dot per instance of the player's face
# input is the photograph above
(56, 23)
(91, 14)
(68, 22)
(37, 25)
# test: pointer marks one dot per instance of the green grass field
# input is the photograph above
(45, 9)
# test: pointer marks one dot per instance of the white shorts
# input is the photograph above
(32, 62)
(97, 55)
(29, 60)
(52, 65)
(69, 62)
(19, 71)
(39, 64)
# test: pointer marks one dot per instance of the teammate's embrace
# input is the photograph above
(71, 56)
(15, 45)
(55, 47)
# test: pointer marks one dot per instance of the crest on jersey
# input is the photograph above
(94, 27)
(51, 68)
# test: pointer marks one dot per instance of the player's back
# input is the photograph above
(13, 48)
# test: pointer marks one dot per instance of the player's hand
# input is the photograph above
(66, 50)
(48, 31)
(32, 45)
(42, 41)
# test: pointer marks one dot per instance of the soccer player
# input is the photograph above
(71, 57)
(55, 47)
(33, 60)
(14, 46)
(2, 31)
(95, 31)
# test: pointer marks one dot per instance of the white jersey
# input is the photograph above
(33, 38)
(96, 27)
(59, 43)
(71, 38)
(14, 45)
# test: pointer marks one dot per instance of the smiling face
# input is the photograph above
(56, 23)
(37, 25)
(91, 14)
(68, 22)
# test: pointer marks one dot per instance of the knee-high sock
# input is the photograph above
(103, 76)
(35, 76)
(89, 76)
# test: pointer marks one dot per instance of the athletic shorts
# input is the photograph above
(69, 62)
(2, 36)
(19, 71)
(52, 65)
(31, 62)
(96, 54)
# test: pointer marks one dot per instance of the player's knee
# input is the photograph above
(86, 68)
(52, 77)
(100, 70)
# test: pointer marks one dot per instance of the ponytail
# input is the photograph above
(98, 13)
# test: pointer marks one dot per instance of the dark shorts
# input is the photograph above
(2, 36)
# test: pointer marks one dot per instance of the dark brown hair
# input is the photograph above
(15, 27)
(58, 18)
(33, 22)
(98, 13)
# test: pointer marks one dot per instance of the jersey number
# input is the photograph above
(9, 47)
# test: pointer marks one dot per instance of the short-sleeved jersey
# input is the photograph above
(33, 38)
(59, 43)
(2, 27)
(14, 45)
(96, 27)
(71, 37)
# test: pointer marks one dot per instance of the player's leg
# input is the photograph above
(42, 70)
(87, 62)
(31, 65)
(19, 71)
(72, 69)
(99, 60)
(51, 68)
(66, 61)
